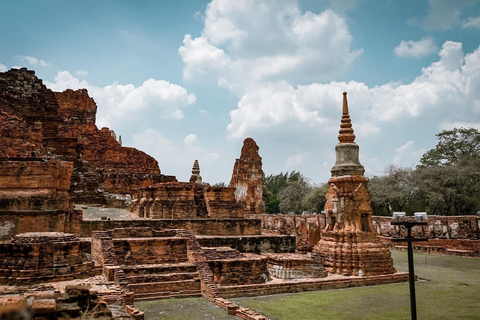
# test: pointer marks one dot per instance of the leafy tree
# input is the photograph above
(292, 195)
(394, 191)
(452, 146)
(273, 184)
(315, 200)
(452, 189)
(220, 184)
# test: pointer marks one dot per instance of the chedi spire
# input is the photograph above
(346, 131)
(346, 151)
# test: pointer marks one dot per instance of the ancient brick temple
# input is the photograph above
(36, 122)
(349, 244)
(247, 178)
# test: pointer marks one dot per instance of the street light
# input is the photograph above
(420, 221)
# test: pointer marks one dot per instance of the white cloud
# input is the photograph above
(81, 73)
(249, 42)
(32, 61)
(449, 88)
(458, 124)
(415, 49)
(471, 22)
(175, 158)
(190, 140)
(295, 160)
(406, 155)
(154, 99)
(3, 68)
(441, 15)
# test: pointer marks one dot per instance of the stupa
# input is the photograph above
(349, 245)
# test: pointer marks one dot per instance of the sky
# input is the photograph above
(191, 79)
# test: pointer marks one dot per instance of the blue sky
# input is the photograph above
(185, 80)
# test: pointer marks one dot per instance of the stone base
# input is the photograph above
(349, 253)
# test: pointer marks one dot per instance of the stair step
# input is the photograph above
(157, 296)
(137, 270)
(165, 277)
(166, 286)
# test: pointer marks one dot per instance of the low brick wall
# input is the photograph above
(443, 227)
(225, 227)
(309, 285)
(459, 247)
(252, 244)
(13, 223)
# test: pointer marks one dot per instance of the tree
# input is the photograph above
(452, 146)
(315, 200)
(273, 184)
(292, 195)
(451, 189)
(395, 191)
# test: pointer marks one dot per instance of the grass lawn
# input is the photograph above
(448, 288)
(183, 309)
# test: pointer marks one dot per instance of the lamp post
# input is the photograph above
(411, 273)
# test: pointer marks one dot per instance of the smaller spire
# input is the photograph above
(346, 131)
(196, 177)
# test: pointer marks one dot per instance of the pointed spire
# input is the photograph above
(346, 131)
(196, 168)
(196, 177)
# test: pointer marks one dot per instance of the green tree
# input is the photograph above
(292, 195)
(451, 189)
(452, 146)
(273, 184)
(395, 191)
(315, 200)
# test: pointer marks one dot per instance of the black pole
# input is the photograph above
(411, 272)
(411, 278)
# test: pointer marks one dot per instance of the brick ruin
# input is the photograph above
(42, 123)
(349, 245)
(184, 238)
(247, 178)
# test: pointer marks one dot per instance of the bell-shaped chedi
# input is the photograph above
(349, 244)
(247, 178)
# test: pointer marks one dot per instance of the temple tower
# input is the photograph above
(196, 177)
(247, 178)
(349, 245)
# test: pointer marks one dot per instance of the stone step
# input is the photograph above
(145, 269)
(165, 287)
(168, 295)
(148, 278)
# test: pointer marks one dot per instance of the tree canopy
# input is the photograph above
(452, 146)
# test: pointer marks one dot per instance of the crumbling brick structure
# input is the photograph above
(247, 178)
(62, 124)
(44, 257)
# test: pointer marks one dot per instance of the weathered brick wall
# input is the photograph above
(43, 256)
(250, 269)
(446, 227)
(13, 223)
(196, 226)
(35, 184)
(182, 200)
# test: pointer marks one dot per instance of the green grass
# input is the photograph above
(448, 288)
(182, 309)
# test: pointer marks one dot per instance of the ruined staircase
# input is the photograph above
(161, 281)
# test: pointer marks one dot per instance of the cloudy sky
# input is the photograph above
(191, 79)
